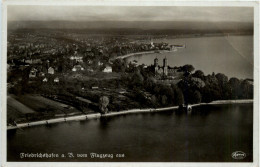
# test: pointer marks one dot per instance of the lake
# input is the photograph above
(209, 134)
(232, 55)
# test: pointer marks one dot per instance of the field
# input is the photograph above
(26, 108)
(42, 104)
(16, 111)
(17, 106)
(85, 76)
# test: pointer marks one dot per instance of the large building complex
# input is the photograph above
(164, 70)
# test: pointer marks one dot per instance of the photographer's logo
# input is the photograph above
(238, 155)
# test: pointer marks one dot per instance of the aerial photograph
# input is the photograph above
(129, 83)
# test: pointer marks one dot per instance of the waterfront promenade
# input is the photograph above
(132, 111)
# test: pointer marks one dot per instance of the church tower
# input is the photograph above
(165, 66)
(156, 62)
(156, 66)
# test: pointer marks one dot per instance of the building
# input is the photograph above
(50, 70)
(32, 73)
(77, 58)
(165, 66)
(77, 68)
(33, 61)
(41, 74)
(161, 69)
(89, 69)
(56, 80)
(164, 70)
(100, 63)
(107, 69)
(134, 63)
(45, 80)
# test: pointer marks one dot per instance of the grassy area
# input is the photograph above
(85, 76)
(42, 104)
(117, 101)
(14, 114)
(15, 105)
(30, 107)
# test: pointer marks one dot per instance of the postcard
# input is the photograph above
(124, 83)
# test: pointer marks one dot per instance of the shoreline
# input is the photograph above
(124, 112)
(178, 37)
(143, 53)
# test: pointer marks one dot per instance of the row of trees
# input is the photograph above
(193, 88)
(215, 87)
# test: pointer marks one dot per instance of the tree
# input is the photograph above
(154, 101)
(119, 65)
(211, 80)
(103, 103)
(139, 96)
(246, 89)
(188, 68)
(235, 88)
(137, 79)
(150, 83)
(223, 85)
(178, 95)
(164, 100)
(222, 78)
(234, 82)
(196, 97)
(198, 74)
(156, 89)
(210, 93)
(168, 92)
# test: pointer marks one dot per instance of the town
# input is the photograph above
(55, 73)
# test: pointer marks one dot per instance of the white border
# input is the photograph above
(3, 78)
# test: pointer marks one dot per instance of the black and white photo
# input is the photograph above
(131, 83)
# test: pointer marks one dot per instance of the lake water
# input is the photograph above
(231, 55)
(208, 134)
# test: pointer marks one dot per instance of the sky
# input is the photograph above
(117, 13)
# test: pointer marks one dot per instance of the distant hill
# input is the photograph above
(136, 27)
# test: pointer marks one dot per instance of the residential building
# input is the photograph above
(77, 68)
(32, 73)
(45, 80)
(107, 69)
(50, 70)
(56, 80)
